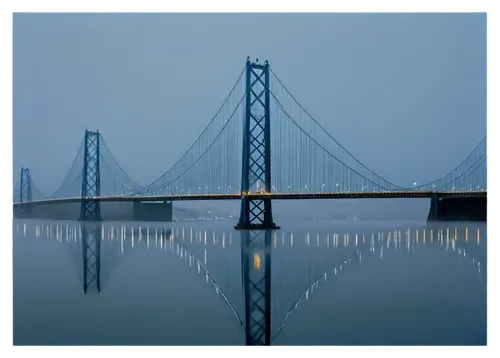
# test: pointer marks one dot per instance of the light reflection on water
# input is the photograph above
(339, 283)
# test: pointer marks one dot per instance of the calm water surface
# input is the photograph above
(332, 283)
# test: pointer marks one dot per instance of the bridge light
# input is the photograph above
(256, 262)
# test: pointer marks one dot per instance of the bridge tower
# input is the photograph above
(256, 168)
(256, 278)
(91, 249)
(25, 192)
(91, 179)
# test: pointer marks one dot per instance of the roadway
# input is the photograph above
(273, 196)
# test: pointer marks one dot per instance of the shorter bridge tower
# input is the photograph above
(256, 272)
(91, 178)
(256, 161)
(25, 191)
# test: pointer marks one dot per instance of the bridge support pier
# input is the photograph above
(91, 249)
(25, 193)
(458, 208)
(256, 277)
(434, 209)
(91, 178)
(153, 211)
(256, 160)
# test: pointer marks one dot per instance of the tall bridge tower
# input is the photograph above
(91, 178)
(256, 168)
(25, 192)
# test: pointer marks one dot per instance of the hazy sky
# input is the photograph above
(406, 94)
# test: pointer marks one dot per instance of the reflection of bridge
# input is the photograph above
(232, 159)
(241, 267)
(89, 235)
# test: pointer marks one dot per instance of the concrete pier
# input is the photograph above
(152, 211)
(457, 209)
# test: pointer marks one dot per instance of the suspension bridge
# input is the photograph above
(255, 259)
(261, 145)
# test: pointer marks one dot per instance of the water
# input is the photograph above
(332, 283)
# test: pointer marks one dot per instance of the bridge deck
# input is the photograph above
(273, 196)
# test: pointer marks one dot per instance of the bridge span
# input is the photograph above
(259, 129)
(159, 207)
(403, 194)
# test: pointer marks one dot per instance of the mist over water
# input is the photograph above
(332, 283)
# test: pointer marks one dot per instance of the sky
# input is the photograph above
(404, 93)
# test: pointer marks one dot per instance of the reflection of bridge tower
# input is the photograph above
(91, 180)
(25, 193)
(256, 278)
(91, 249)
(256, 155)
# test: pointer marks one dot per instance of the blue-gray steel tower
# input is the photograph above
(91, 178)
(25, 192)
(256, 161)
